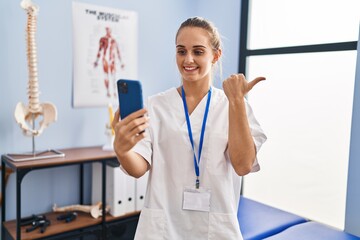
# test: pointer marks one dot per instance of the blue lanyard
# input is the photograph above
(196, 161)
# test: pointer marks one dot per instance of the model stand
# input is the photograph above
(34, 155)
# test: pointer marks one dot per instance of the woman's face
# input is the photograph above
(194, 54)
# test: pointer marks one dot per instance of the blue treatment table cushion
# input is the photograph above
(312, 231)
(258, 220)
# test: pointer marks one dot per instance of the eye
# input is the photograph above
(198, 52)
(181, 52)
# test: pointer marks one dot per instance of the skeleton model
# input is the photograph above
(25, 116)
(94, 210)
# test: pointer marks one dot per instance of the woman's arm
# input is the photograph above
(128, 132)
(241, 145)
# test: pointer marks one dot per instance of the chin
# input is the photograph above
(190, 79)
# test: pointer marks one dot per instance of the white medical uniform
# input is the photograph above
(168, 150)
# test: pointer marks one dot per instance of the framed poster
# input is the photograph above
(104, 50)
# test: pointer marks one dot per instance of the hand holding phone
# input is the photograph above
(130, 130)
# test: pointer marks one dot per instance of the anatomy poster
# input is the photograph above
(104, 50)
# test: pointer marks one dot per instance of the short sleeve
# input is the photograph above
(144, 147)
(257, 134)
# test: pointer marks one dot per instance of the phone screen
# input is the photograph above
(130, 96)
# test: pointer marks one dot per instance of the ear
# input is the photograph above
(217, 55)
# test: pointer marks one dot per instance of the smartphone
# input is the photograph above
(130, 96)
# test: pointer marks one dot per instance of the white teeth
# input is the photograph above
(190, 68)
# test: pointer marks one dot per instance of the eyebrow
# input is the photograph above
(196, 46)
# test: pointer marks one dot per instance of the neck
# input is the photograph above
(196, 89)
(194, 92)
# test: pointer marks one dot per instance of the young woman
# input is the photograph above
(198, 141)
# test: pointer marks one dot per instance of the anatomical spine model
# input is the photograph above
(28, 114)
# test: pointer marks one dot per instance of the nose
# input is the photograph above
(189, 58)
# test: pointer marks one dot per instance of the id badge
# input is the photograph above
(196, 199)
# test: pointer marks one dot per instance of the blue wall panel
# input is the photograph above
(352, 215)
(158, 23)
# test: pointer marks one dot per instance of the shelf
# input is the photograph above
(83, 220)
(72, 156)
(110, 218)
(84, 223)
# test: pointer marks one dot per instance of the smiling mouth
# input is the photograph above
(190, 68)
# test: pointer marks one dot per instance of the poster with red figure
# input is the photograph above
(104, 50)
